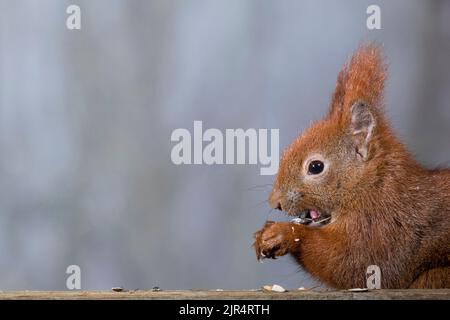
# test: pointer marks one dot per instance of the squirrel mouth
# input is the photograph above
(313, 218)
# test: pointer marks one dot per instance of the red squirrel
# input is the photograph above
(359, 197)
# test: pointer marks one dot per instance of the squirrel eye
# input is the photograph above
(315, 167)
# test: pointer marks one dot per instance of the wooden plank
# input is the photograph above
(441, 294)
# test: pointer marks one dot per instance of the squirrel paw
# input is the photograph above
(274, 240)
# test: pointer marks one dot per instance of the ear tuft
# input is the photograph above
(337, 100)
(360, 79)
(361, 128)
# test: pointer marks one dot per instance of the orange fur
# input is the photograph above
(386, 209)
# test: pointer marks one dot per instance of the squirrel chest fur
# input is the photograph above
(359, 196)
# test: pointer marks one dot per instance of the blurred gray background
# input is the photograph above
(86, 118)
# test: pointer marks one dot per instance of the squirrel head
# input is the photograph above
(340, 154)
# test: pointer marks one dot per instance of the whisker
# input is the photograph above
(259, 186)
(268, 214)
(259, 203)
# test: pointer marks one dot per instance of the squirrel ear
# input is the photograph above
(361, 78)
(361, 128)
(337, 100)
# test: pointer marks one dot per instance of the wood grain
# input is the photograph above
(442, 294)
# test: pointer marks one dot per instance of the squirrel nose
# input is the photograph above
(275, 200)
